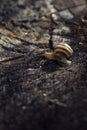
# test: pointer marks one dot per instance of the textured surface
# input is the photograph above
(36, 93)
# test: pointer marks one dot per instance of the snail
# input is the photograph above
(84, 19)
(61, 52)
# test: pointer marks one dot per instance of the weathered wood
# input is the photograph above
(36, 93)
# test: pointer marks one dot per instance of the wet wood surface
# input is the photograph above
(37, 93)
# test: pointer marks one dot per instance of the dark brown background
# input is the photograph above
(36, 93)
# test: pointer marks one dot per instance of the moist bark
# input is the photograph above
(37, 93)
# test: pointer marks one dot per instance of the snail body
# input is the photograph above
(61, 52)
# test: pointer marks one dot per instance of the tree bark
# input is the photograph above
(37, 93)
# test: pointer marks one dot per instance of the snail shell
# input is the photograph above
(62, 52)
